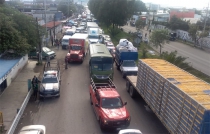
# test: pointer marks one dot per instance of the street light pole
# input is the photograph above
(46, 35)
(204, 28)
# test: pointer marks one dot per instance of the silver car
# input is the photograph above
(33, 129)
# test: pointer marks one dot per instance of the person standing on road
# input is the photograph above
(35, 82)
(48, 61)
(66, 60)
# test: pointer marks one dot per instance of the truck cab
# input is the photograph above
(78, 47)
(108, 106)
(128, 67)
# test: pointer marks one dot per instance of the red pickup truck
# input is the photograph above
(108, 106)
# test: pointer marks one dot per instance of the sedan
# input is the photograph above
(130, 131)
(33, 129)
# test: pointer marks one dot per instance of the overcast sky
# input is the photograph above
(198, 4)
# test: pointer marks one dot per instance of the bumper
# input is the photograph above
(65, 46)
(75, 60)
(116, 124)
(130, 73)
(49, 94)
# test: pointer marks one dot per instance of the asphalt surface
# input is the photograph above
(72, 112)
(198, 59)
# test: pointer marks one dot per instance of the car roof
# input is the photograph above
(108, 92)
(33, 129)
(132, 131)
(66, 36)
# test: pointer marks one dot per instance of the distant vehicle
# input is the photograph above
(172, 36)
(108, 106)
(33, 129)
(65, 41)
(151, 52)
(70, 31)
(78, 47)
(130, 131)
(84, 20)
(51, 80)
(45, 53)
(110, 45)
(100, 62)
(75, 24)
(83, 24)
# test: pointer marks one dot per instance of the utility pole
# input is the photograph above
(39, 44)
(54, 27)
(46, 35)
(68, 8)
(204, 28)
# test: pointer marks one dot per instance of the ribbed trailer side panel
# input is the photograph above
(180, 100)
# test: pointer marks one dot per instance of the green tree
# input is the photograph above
(114, 12)
(159, 38)
(10, 38)
(140, 24)
(176, 60)
(18, 31)
(176, 23)
(66, 9)
(195, 34)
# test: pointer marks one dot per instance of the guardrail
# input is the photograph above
(19, 114)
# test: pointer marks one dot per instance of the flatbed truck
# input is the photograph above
(180, 100)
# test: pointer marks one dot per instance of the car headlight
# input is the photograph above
(128, 119)
(105, 121)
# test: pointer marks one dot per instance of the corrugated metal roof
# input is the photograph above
(6, 65)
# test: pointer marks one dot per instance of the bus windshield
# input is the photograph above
(101, 63)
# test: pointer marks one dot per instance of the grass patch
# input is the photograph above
(142, 47)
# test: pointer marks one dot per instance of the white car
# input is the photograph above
(130, 131)
(110, 45)
(151, 52)
(33, 129)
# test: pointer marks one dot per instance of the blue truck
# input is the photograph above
(125, 61)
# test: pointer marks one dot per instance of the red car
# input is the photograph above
(108, 106)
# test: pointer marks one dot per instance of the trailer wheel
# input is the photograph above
(127, 86)
(132, 92)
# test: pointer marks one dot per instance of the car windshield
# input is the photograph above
(93, 36)
(65, 41)
(49, 80)
(45, 49)
(111, 103)
(75, 47)
(129, 64)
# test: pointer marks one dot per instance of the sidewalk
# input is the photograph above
(13, 96)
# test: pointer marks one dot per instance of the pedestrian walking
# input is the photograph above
(48, 61)
(145, 35)
(66, 60)
(150, 31)
(35, 86)
(52, 40)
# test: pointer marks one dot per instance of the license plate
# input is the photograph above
(48, 94)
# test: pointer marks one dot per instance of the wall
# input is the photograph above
(182, 14)
(16, 69)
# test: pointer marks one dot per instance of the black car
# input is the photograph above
(172, 36)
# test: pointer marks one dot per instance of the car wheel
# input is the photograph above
(101, 125)
(127, 86)
(91, 100)
(132, 92)
(124, 75)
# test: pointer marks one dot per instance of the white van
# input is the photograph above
(70, 31)
(65, 41)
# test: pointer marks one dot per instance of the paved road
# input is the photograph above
(72, 112)
(199, 59)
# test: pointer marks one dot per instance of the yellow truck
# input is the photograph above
(180, 100)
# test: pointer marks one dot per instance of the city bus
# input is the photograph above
(101, 62)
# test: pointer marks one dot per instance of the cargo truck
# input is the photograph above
(78, 47)
(125, 61)
(180, 100)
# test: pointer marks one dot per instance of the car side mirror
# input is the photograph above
(125, 103)
(96, 105)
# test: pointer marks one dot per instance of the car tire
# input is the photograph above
(124, 75)
(91, 100)
(127, 86)
(132, 92)
(101, 125)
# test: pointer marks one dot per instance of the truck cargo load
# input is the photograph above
(180, 100)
